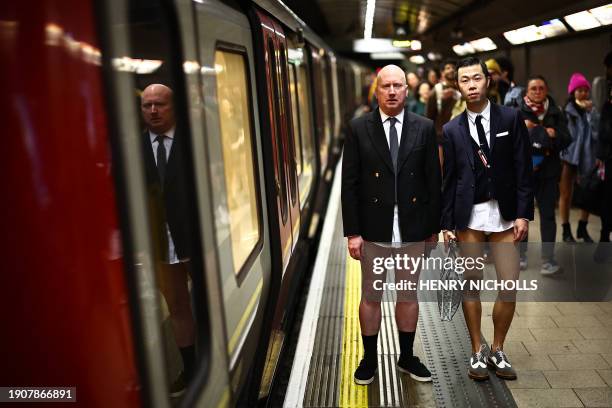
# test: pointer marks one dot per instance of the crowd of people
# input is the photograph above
(570, 140)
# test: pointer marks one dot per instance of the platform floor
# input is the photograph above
(562, 350)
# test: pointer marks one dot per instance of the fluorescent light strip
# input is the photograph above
(483, 44)
(387, 56)
(603, 14)
(417, 59)
(369, 19)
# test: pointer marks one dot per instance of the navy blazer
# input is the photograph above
(368, 180)
(511, 168)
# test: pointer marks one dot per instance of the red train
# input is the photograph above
(261, 100)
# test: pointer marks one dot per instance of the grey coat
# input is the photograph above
(583, 129)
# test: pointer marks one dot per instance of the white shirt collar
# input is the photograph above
(486, 113)
(399, 116)
(169, 133)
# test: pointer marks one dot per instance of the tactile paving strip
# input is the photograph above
(324, 372)
(448, 350)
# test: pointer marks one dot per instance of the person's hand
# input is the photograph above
(355, 244)
(530, 124)
(448, 237)
(587, 104)
(521, 226)
(551, 133)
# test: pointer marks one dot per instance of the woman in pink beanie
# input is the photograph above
(579, 157)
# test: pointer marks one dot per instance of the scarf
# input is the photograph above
(538, 108)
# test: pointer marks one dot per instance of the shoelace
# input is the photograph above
(480, 351)
(479, 356)
(502, 358)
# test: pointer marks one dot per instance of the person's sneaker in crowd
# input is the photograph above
(523, 263)
(477, 368)
(503, 368)
(178, 386)
(550, 268)
(413, 366)
(366, 372)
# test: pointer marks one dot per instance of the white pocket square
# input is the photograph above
(502, 134)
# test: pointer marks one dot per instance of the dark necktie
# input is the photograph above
(161, 157)
(393, 148)
(482, 139)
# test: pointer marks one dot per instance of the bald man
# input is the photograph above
(390, 194)
(172, 213)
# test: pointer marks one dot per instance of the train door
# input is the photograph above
(280, 137)
(234, 144)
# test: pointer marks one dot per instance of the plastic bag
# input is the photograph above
(449, 299)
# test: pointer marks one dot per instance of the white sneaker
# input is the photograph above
(550, 268)
(523, 263)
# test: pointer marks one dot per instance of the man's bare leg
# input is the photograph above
(472, 309)
(506, 259)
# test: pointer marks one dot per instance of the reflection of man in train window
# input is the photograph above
(171, 223)
(390, 193)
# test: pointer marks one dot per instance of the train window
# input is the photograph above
(308, 153)
(290, 139)
(281, 185)
(296, 119)
(237, 143)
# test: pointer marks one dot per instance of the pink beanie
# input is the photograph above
(576, 81)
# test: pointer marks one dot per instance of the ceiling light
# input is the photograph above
(374, 45)
(387, 56)
(532, 33)
(434, 56)
(401, 43)
(463, 49)
(139, 66)
(603, 14)
(415, 45)
(369, 19)
(583, 20)
(417, 59)
(552, 28)
(483, 44)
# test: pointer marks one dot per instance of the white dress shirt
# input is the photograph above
(397, 236)
(485, 216)
(172, 256)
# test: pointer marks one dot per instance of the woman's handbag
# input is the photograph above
(449, 299)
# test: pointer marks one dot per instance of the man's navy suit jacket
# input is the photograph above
(511, 168)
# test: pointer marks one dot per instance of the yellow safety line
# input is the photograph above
(351, 394)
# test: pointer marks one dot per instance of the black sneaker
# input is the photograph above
(178, 386)
(365, 373)
(503, 369)
(477, 369)
(417, 370)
